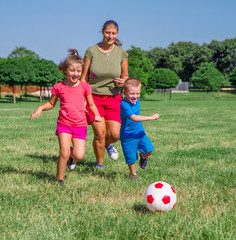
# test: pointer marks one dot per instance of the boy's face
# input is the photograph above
(132, 94)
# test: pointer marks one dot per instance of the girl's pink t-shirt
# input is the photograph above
(72, 101)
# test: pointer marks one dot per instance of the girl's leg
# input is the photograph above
(64, 144)
(112, 131)
(99, 130)
(78, 149)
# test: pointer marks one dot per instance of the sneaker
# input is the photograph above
(143, 161)
(99, 166)
(133, 177)
(61, 183)
(113, 154)
(71, 162)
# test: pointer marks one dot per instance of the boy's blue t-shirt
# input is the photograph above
(129, 128)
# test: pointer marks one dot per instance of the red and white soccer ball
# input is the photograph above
(160, 197)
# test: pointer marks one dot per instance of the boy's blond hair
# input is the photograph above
(131, 82)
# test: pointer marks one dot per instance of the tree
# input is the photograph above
(224, 54)
(46, 74)
(21, 52)
(185, 58)
(232, 77)
(207, 77)
(163, 78)
(158, 57)
(16, 72)
(140, 67)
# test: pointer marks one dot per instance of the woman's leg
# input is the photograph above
(99, 130)
(112, 132)
(64, 144)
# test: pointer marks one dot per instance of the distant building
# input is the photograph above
(181, 87)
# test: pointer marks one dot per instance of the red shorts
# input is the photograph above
(108, 107)
(76, 132)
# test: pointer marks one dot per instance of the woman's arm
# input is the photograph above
(124, 74)
(84, 76)
(45, 107)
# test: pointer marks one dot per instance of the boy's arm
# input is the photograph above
(138, 118)
(93, 107)
(45, 107)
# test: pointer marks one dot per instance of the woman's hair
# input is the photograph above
(74, 57)
(112, 23)
(131, 82)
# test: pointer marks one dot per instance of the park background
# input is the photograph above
(194, 137)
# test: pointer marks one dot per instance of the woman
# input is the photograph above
(106, 69)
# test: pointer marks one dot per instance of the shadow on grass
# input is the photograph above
(44, 157)
(141, 208)
(39, 175)
(84, 167)
(9, 99)
(89, 168)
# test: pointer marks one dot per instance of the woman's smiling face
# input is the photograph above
(110, 34)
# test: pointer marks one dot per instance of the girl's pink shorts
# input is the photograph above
(108, 107)
(76, 132)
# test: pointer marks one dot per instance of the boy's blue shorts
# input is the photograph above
(130, 147)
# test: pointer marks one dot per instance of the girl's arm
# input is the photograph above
(93, 107)
(84, 76)
(124, 74)
(138, 118)
(45, 107)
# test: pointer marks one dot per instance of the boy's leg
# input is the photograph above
(132, 169)
(147, 154)
(130, 153)
(145, 147)
(64, 144)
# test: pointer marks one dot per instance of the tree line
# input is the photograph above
(206, 66)
(23, 67)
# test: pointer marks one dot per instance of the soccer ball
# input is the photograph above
(160, 197)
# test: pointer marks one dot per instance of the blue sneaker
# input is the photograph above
(99, 166)
(143, 161)
(113, 154)
(71, 162)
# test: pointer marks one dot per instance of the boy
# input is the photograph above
(132, 134)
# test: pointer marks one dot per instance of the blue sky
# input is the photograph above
(50, 27)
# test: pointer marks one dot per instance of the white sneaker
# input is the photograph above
(113, 154)
(71, 163)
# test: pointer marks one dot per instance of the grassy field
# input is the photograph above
(195, 149)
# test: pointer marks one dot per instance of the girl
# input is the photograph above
(71, 123)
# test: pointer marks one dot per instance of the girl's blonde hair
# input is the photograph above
(74, 57)
(131, 82)
(112, 23)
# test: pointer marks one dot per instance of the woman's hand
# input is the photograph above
(98, 118)
(119, 82)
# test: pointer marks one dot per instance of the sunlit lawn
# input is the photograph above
(195, 149)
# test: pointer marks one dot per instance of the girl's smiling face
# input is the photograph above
(132, 94)
(73, 73)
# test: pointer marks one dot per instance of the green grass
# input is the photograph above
(195, 149)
